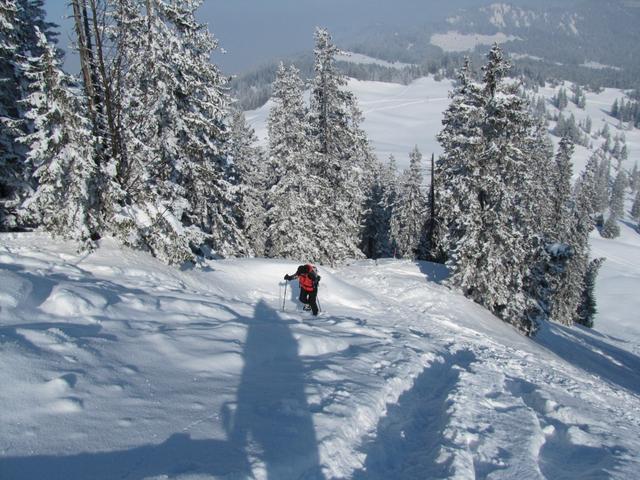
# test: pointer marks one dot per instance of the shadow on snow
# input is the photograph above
(269, 426)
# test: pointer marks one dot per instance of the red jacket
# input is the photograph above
(307, 277)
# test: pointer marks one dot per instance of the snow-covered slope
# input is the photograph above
(399, 117)
(116, 366)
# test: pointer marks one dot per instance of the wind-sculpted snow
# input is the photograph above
(117, 366)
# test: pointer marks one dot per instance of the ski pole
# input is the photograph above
(284, 298)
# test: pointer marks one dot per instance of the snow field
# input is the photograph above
(116, 366)
(121, 367)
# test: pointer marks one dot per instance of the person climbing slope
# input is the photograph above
(308, 278)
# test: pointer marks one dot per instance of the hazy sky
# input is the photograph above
(255, 31)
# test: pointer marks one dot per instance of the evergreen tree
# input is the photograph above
(292, 186)
(377, 240)
(409, 213)
(635, 209)
(624, 153)
(587, 307)
(617, 194)
(588, 125)
(484, 209)
(572, 260)
(342, 155)
(175, 173)
(250, 169)
(562, 190)
(59, 150)
(635, 178)
(20, 22)
(602, 181)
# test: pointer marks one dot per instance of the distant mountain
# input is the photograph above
(592, 41)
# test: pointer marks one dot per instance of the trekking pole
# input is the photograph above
(319, 306)
(284, 298)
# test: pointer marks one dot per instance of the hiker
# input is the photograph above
(308, 278)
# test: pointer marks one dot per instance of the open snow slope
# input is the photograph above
(116, 366)
(399, 117)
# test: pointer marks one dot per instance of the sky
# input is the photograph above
(253, 32)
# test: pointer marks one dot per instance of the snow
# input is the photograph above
(453, 41)
(117, 366)
(599, 66)
(365, 59)
(399, 117)
(396, 117)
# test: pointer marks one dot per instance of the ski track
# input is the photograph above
(198, 375)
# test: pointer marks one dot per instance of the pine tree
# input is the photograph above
(291, 200)
(342, 156)
(410, 211)
(602, 181)
(484, 209)
(563, 188)
(617, 194)
(635, 209)
(249, 165)
(59, 150)
(377, 240)
(615, 109)
(20, 22)
(588, 125)
(175, 172)
(587, 308)
(635, 178)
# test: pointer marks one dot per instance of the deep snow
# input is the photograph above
(116, 366)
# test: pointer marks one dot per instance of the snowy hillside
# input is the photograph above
(399, 117)
(116, 366)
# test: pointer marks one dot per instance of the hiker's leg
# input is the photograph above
(304, 296)
(312, 301)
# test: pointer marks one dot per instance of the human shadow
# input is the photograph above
(269, 426)
(178, 455)
(584, 351)
(270, 419)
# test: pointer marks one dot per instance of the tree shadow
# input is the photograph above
(584, 351)
(435, 272)
(269, 426)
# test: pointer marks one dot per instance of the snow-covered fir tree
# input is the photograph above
(249, 166)
(59, 151)
(602, 181)
(341, 155)
(572, 260)
(177, 194)
(20, 20)
(611, 229)
(563, 189)
(377, 239)
(587, 307)
(634, 178)
(483, 207)
(635, 208)
(292, 205)
(410, 211)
